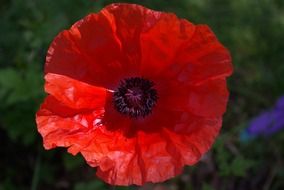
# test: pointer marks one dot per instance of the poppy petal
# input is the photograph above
(121, 165)
(161, 43)
(74, 52)
(208, 99)
(203, 58)
(65, 127)
(155, 157)
(203, 103)
(74, 93)
(129, 24)
(118, 162)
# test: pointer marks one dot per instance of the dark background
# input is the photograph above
(253, 30)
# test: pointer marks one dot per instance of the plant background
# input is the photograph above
(253, 30)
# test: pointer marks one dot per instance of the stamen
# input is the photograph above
(135, 97)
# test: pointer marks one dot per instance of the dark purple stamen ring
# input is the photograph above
(135, 97)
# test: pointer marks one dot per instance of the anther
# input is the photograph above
(135, 97)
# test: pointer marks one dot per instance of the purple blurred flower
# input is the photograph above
(267, 123)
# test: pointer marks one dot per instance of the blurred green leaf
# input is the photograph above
(16, 86)
(206, 186)
(91, 185)
(72, 162)
(240, 165)
(229, 164)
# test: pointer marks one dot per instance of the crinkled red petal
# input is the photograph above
(122, 160)
(73, 93)
(208, 99)
(102, 45)
(149, 157)
(88, 52)
(161, 44)
(62, 126)
(199, 59)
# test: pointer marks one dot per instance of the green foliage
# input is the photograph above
(72, 162)
(229, 164)
(206, 186)
(17, 86)
(91, 185)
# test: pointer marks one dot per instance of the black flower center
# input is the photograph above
(135, 97)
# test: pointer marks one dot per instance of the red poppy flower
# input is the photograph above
(139, 93)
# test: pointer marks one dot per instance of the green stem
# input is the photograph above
(35, 179)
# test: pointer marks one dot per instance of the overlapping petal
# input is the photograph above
(207, 99)
(149, 157)
(123, 160)
(74, 93)
(62, 126)
(201, 58)
(161, 44)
